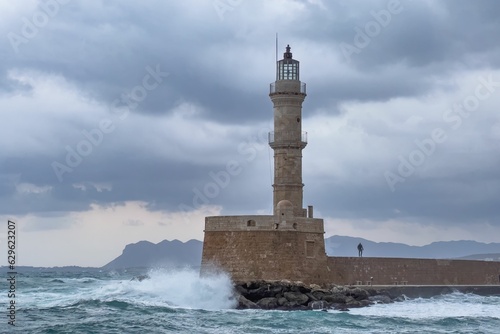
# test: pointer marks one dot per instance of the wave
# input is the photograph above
(164, 288)
(454, 305)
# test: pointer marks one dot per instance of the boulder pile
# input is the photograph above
(286, 295)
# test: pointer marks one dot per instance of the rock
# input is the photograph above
(336, 298)
(282, 301)
(286, 295)
(296, 297)
(244, 303)
(357, 303)
(358, 294)
(311, 296)
(349, 300)
(257, 294)
(338, 289)
(268, 303)
(318, 294)
(353, 304)
(366, 302)
(241, 290)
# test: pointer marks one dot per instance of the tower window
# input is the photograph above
(251, 223)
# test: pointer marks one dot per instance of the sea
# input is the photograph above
(180, 301)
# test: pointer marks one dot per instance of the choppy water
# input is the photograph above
(182, 302)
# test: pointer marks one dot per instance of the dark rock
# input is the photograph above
(282, 301)
(268, 303)
(252, 285)
(358, 294)
(353, 304)
(300, 288)
(296, 297)
(311, 296)
(244, 303)
(257, 294)
(241, 290)
(318, 294)
(264, 291)
(336, 298)
(366, 302)
(285, 295)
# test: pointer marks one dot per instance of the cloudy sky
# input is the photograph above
(119, 119)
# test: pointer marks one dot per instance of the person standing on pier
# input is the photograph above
(360, 250)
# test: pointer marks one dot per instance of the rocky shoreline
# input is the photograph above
(286, 295)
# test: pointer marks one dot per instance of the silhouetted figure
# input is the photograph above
(360, 250)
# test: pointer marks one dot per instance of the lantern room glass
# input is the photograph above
(287, 68)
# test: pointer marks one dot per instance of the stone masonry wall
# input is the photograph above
(266, 255)
(263, 223)
(401, 271)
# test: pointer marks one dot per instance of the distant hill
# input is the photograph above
(165, 253)
(346, 246)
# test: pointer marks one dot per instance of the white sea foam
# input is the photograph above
(445, 306)
(170, 288)
(186, 289)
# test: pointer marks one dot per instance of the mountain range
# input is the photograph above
(178, 254)
(166, 253)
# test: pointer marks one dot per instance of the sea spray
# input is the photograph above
(186, 289)
(172, 288)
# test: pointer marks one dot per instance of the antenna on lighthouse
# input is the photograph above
(276, 47)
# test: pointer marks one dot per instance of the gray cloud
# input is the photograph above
(89, 54)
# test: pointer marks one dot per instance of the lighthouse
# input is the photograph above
(287, 140)
(289, 243)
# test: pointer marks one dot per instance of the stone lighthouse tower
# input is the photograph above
(287, 140)
(289, 244)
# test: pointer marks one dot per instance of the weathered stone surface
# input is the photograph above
(311, 296)
(268, 303)
(296, 297)
(264, 291)
(241, 290)
(335, 298)
(318, 294)
(285, 295)
(282, 301)
(358, 294)
(244, 303)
